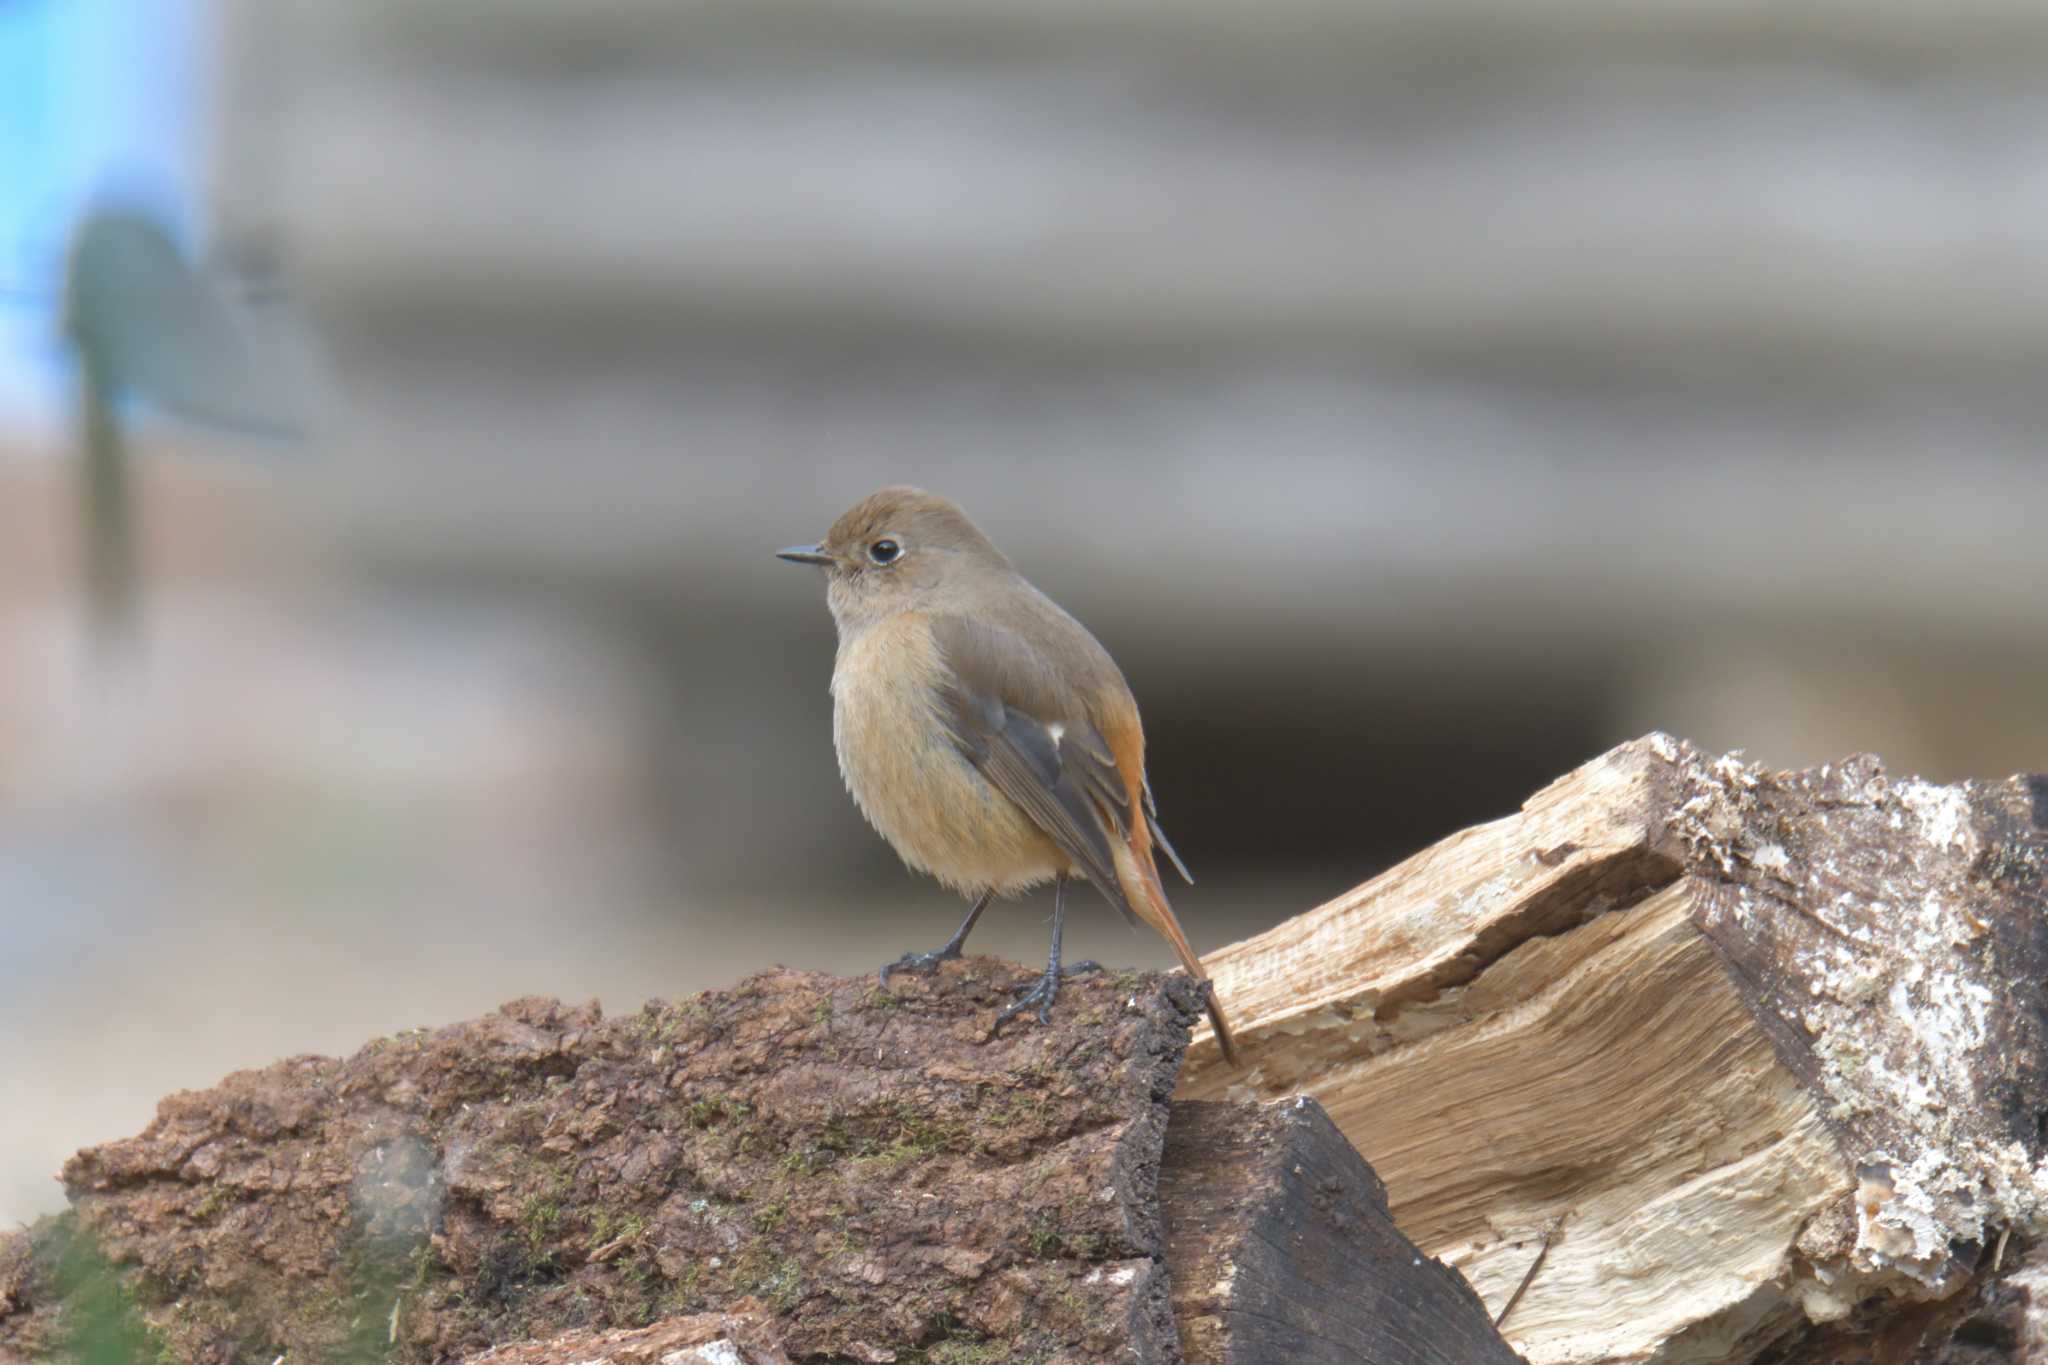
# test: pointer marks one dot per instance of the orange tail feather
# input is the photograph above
(1140, 878)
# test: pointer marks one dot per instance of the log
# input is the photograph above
(1280, 1249)
(803, 1167)
(868, 1165)
(1687, 1060)
(1684, 1062)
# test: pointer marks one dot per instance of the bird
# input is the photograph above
(983, 731)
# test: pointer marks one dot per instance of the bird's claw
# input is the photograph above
(1043, 992)
(921, 962)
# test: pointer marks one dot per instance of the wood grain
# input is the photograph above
(1756, 1053)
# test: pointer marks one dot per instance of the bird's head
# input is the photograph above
(894, 551)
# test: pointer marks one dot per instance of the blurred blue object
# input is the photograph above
(147, 326)
(98, 98)
(150, 327)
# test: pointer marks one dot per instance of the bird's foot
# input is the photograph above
(921, 962)
(1043, 992)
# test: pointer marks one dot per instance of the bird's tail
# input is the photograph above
(1139, 877)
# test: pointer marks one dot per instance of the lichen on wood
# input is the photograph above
(1894, 939)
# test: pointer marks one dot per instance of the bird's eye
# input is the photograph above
(884, 551)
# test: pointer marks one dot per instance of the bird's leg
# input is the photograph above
(929, 962)
(1048, 988)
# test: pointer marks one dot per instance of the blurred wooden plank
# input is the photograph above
(906, 199)
(534, 31)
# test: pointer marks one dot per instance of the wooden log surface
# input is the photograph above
(870, 1167)
(1281, 1249)
(803, 1167)
(1684, 1062)
(1745, 1058)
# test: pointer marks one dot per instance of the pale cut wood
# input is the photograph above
(1605, 1091)
(1795, 1084)
(1609, 1084)
(1313, 985)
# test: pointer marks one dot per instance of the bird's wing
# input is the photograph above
(1159, 835)
(1024, 728)
(1029, 732)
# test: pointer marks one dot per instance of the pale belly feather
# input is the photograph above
(911, 781)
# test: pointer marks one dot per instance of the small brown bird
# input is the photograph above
(983, 730)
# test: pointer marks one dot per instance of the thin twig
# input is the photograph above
(1529, 1275)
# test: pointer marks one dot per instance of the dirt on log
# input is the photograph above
(860, 1174)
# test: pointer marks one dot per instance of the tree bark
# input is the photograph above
(867, 1164)
(804, 1167)
(1280, 1248)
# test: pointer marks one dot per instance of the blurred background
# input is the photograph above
(1417, 396)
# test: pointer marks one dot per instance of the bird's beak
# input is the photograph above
(804, 554)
